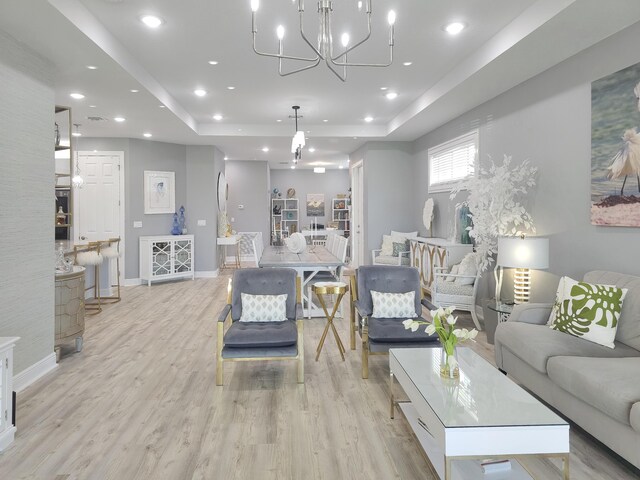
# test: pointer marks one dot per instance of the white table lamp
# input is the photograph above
(523, 254)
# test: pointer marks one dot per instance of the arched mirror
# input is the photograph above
(222, 192)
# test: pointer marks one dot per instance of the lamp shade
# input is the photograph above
(528, 252)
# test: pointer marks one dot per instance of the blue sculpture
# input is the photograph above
(176, 230)
(183, 229)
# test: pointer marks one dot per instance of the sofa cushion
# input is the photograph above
(535, 344)
(629, 324)
(635, 416)
(604, 383)
(392, 330)
(451, 288)
(261, 334)
(391, 260)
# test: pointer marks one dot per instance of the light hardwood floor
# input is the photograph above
(140, 402)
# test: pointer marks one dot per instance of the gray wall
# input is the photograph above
(26, 201)
(548, 121)
(248, 186)
(204, 163)
(389, 170)
(329, 183)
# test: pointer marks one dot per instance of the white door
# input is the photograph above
(99, 204)
(357, 207)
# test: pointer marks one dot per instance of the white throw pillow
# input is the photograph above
(393, 305)
(387, 245)
(469, 267)
(263, 308)
(404, 235)
(454, 271)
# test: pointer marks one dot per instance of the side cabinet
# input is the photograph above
(166, 257)
(429, 253)
(7, 429)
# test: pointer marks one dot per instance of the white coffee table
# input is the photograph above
(483, 415)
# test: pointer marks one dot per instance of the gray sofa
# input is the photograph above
(596, 387)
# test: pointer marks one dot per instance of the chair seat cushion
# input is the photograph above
(261, 334)
(391, 330)
(391, 260)
(452, 288)
(603, 383)
(536, 344)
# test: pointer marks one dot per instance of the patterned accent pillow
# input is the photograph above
(591, 312)
(263, 308)
(400, 247)
(393, 305)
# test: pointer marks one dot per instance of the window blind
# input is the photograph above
(452, 161)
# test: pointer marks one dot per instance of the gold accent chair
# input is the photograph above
(255, 340)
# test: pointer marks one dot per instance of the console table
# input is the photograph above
(429, 253)
(166, 257)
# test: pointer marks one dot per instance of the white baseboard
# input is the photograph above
(207, 274)
(132, 282)
(36, 371)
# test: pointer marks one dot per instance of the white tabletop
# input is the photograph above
(283, 257)
(483, 397)
(230, 240)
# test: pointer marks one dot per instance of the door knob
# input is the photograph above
(83, 237)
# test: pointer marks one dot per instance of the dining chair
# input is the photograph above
(384, 331)
(263, 325)
(340, 251)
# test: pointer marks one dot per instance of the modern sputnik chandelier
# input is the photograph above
(336, 61)
(298, 141)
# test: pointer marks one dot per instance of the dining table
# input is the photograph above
(308, 264)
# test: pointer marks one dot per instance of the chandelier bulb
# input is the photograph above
(345, 39)
(391, 17)
(280, 32)
(360, 5)
(255, 4)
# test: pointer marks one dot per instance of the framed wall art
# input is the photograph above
(315, 205)
(159, 192)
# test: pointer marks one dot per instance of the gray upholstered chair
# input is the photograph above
(254, 341)
(380, 334)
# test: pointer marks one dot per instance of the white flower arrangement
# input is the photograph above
(493, 200)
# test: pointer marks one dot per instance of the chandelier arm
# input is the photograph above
(275, 55)
(335, 72)
(353, 47)
(348, 64)
(314, 64)
(304, 37)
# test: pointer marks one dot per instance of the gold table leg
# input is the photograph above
(391, 376)
(330, 325)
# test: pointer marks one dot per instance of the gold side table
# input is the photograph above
(330, 288)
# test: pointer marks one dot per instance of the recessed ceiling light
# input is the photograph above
(454, 28)
(92, 106)
(391, 95)
(213, 62)
(407, 64)
(279, 120)
(340, 167)
(319, 169)
(293, 167)
(133, 90)
(308, 131)
(162, 106)
(384, 88)
(239, 129)
(231, 88)
(77, 96)
(200, 92)
(151, 21)
(312, 149)
(119, 119)
(226, 158)
(147, 135)
(325, 120)
(368, 119)
(217, 117)
(265, 149)
(92, 67)
(76, 134)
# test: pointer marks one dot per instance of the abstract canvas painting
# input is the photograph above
(615, 149)
(315, 205)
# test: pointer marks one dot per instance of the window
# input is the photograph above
(452, 161)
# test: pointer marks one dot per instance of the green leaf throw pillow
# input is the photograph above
(591, 312)
(400, 247)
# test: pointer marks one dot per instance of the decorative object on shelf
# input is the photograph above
(443, 325)
(494, 196)
(464, 224)
(183, 227)
(175, 228)
(298, 141)
(77, 179)
(61, 217)
(291, 193)
(614, 161)
(277, 209)
(289, 215)
(60, 266)
(522, 253)
(315, 205)
(56, 132)
(324, 52)
(159, 192)
(223, 224)
(427, 215)
(276, 193)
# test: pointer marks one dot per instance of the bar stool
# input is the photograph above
(87, 256)
(109, 252)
